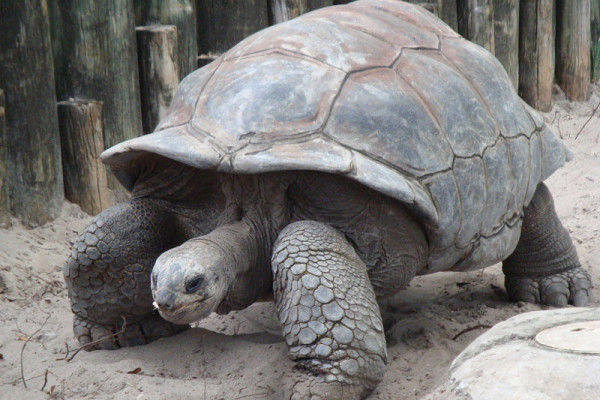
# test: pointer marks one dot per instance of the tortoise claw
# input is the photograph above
(96, 336)
(569, 287)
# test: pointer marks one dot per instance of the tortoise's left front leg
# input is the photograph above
(544, 268)
(330, 318)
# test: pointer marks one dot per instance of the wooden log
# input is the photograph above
(95, 56)
(573, 48)
(223, 23)
(506, 37)
(4, 204)
(283, 10)
(448, 12)
(32, 148)
(595, 31)
(476, 22)
(314, 4)
(205, 59)
(433, 6)
(182, 14)
(157, 60)
(82, 142)
(536, 53)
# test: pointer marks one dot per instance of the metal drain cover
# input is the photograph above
(578, 337)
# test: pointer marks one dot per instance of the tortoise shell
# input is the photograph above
(380, 91)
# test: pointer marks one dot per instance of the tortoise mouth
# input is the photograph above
(188, 312)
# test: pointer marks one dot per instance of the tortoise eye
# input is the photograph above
(193, 285)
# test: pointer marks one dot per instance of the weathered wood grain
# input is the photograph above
(223, 23)
(32, 146)
(506, 37)
(95, 58)
(157, 60)
(182, 14)
(82, 142)
(4, 204)
(476, 22)
(536, 52)
(573, 48)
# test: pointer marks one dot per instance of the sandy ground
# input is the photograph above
(242, 355)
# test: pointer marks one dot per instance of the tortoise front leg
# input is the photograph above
(329, 314)
(544, 268)
(108, 274)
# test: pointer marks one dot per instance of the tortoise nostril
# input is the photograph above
(164, 300)
(194, 284)
(164, 306)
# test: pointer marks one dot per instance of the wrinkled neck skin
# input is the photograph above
(228, 268)
(256, 210)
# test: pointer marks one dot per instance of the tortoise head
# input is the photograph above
(190, 281)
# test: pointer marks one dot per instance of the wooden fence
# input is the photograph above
(78, 76)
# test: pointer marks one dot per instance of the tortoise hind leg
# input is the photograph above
(544, 268)
(108, 275)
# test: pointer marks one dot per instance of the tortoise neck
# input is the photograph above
(256, 211)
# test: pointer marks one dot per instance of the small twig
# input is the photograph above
(44, 280)
(558, 126)
(586, 122)
(25, 344)
(556, 113)
(252, 395)
(44, 248)
(67, 347)
(95, 342)
(45, 380)
(459, 334)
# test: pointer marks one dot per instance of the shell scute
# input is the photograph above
(492, 84)
(470, 180)
(276, 95)
(378, 114)
(467, 125)
(184, 102)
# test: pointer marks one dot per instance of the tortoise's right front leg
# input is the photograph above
(108, 275)
(329, 314)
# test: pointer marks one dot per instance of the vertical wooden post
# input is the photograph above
(506, 37)
(4, 204)
(157, 60)
(433, 6)
(32, 148)
(595, 45)
(95, 56)
(536, 53)
(283, 10)
(223, 23)
(449, 13)
(82, 142)
(182, 14)
(573, 48)
(476, 22)
(314, 4)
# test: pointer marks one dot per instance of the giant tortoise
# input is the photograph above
(326, 161)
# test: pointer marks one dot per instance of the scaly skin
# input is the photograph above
(348, 247)
(329, 314)
(108, 274)
(544, 268)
